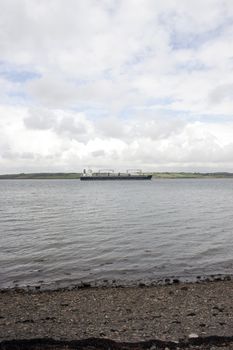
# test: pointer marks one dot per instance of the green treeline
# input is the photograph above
(42, 176)
(186, 175)
(156, 175)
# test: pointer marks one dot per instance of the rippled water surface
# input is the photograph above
(61, 232)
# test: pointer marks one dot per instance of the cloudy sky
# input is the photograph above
(116, 83)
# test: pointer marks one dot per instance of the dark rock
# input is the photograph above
(102, 334)
(64, 304)
(113, 330)
(217, 278)
(25, 321)
(141, 284)
(184, 288)
(84, 285)
(175, 280)
(176, 321)
(227, 278)
(220, 309)
(191, 314)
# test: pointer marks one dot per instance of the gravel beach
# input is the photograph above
(176, 313)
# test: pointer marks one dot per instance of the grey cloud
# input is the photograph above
(11, 155)
(221, 93)
(53, 91)
(156, 128)
(4, 142)
(68, 125)
(40, 119)
(193, 154)
(98, 153)
(111, 127)
(64, 124)
(73, 128)
(159, 128)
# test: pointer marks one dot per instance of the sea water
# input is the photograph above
(57, 233)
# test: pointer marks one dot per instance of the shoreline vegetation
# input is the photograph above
(156, 175)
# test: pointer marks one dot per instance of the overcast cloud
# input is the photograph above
(117, 84)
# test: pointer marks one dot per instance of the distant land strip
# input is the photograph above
(156, 175)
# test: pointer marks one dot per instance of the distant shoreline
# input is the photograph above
(156, 175)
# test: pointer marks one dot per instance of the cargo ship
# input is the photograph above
(109, 174)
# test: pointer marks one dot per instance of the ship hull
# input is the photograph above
(117, 178)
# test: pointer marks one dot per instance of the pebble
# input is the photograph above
(193, 335)
(153, 347)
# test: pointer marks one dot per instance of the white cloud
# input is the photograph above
(116, 83)
(73, 141)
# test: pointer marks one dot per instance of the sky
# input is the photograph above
(116, 84)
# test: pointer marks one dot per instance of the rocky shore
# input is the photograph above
(195, 315)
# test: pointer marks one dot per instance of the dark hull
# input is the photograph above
(120, 177)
